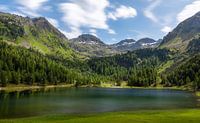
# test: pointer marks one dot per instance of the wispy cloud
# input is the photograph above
(110, 31)
(139, 34)
(166, 29)
(31, 7)
(31, 4)
(84, 13)
(73, 33)
(4, 8)
(53, 21)
(189, 10)
(148, 12)
(164, 21)
(93, 32)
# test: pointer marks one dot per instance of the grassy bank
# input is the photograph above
(198, 93)
(21, 87)
(169, 116)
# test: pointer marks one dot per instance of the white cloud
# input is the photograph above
(163, 20)
(110, 31)
(166, 29)
(18, 13)
(4, 8)
(139, 34)
(75, 32)
(148, 12)
(93, 32)
(53, 21)
(123, 12)
(189, 11)
(31, 7)
(31, 4)
(85, 13)
(63, 32)
(28, 12)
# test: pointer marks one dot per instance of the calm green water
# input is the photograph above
(91, 100)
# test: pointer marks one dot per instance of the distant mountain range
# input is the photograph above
(89, 44)
(131, 44)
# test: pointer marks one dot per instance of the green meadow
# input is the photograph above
(161, 116)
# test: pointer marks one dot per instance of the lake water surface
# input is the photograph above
(91, 100)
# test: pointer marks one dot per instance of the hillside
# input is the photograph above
(37, 34)
(183, 34)
(138, 68)
(186, 74)
(19, 65)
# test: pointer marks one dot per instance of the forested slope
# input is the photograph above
(19, 65)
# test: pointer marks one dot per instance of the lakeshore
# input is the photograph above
(22, 87)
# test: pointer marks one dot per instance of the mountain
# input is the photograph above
(124, 45)
(126, 42)
(35, 33)
(91, 46)
(131, 44)
(87, 39)
(147, 43)
(183, 34)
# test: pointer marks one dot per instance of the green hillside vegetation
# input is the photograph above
(19, 65)
(186, 74)
(194, 46)
(138, 68)
(36, 33)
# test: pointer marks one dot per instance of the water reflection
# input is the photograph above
(90, 100)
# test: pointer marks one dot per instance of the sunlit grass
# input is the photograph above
(170, 116)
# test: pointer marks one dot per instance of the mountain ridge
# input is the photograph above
(131, 44)
(186, 31)
(35, 33)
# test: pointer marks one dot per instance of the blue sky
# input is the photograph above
(110, 20)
